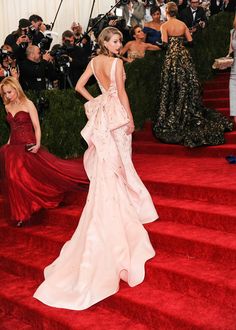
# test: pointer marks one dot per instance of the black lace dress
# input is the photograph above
(181, 117)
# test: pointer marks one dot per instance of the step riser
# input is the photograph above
(192, 248)
(30, 316)
(64, 219)
(33, 241)
(218, 103)
(216, 85)
(184, 191)
(158, 319)
(26, 271)
(231, 139)
(164, 149)
(201, 219)
(167, 280)
(215, 94)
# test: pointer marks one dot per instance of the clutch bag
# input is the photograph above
(223, 63)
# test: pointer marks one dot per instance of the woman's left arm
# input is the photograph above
(37, 130)
(123, 95)
(152, 47)
(230, 45)
(80, 86)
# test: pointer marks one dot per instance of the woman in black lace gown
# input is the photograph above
(181, 117)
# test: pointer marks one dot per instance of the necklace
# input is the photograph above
(16, 102)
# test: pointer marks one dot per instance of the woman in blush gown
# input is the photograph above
(110, 242)
(232, 83)
(33, 178)
(181, 117)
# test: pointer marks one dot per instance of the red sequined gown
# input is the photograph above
(34, 181)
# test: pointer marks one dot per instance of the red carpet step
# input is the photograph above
(189, 284)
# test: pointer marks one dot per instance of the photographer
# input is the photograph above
(37, 30)
(111, 19)
(70, 60)
(36, 71)
(8, 65)
(19, 39)
(133, 13)
(194, 16)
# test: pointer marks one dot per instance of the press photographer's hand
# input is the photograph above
(202, 24)
(22, 39)
(2, 71)
(14, 73)
(47, 57)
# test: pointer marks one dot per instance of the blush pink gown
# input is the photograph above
(110, 242)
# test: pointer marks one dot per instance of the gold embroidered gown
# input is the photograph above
(181, 117)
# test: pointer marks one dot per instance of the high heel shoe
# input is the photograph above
(19, 224)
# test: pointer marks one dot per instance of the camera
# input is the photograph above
(150, 3)
(61, 55)
(44, 44)
(4, 54)
(30, 33)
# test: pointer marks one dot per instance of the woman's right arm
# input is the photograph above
(123, 95)
(9, 139)
(164, 34)
(80, 86)
(125, 48)
(187, 34)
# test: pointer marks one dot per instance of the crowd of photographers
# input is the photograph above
(27, 53)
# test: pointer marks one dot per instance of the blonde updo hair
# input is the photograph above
(106, 35)
(14, 83)
(171, 9)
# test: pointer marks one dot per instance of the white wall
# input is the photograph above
(71, 10)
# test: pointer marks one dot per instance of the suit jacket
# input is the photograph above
(231, 6)
(215, 7)
(187, 17)
(137, 16)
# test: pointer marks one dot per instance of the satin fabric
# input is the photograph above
(110, 242)
(34, 181)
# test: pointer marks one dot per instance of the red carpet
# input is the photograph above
(190, 284)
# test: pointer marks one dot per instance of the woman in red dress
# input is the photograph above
(33, 177)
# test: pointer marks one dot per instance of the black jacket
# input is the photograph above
(187, 17)
(33, 75)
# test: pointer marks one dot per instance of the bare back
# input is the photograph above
(175, 28)
(102, 66)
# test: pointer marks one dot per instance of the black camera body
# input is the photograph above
(61, 55)
(150, 3)
(44, 44)
(4, 53)
(124, 2)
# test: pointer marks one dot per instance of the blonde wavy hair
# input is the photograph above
(106, 35)
(14, 83)
(171, 9)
